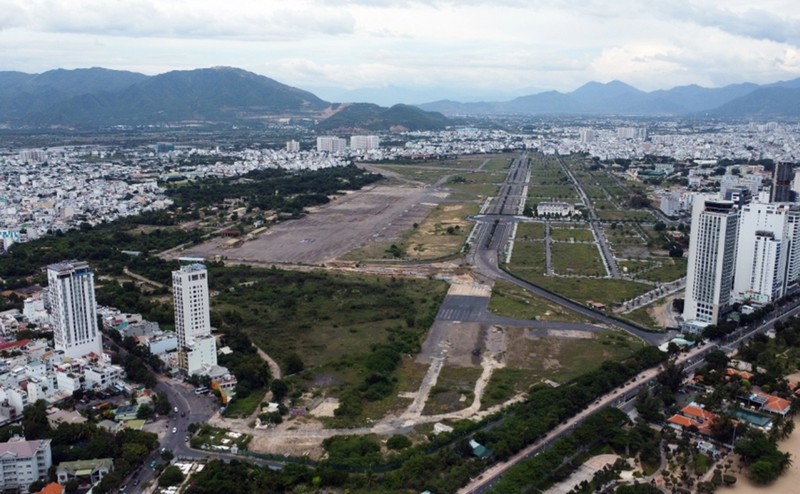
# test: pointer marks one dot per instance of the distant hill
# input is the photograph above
(215, 94)
(368, 116)
(618, 98)
(768, 102)
(23, 94)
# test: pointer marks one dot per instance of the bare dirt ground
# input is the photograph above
(662, 312)
(371, 215)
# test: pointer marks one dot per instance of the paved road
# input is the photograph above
(484, 260)
(594, 223)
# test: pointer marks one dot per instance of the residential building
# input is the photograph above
(73, 309)
(330, 144)
(196, 347)
(767, 251)
(23, 462)
(84, 471)
(712, 258)
(782, 183)
(364, 143)
(292, 146)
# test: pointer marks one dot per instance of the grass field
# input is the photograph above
(510, 300)
(607, 291)
(530, 231)
(570, 234)
(625, 215)
(530, 360)
(641, 317)
(530, 255)
(671, 269)
(578, 259)
(442, 233)
(453, 391)
(426, 175)
(321, 316)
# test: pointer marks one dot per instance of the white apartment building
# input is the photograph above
(192, 318)
(23, 462)
(73, 309)
(712, 259)
(292, 146)
(364, 143)
(331, 144)
(768, 241)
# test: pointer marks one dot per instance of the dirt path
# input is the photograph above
(274, 368)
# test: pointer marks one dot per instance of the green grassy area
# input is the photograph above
(334, 322)
(498, 164)
(454, 390)
(578, 259)
(672, 268)
(476, 184)
(551, 192)
(641, 317)
(426, 175)
(569, 234)
(510, 300)
(531, 360)
(530, 231)
(607, 291)
(245, 406)
(530, 255)
(625, 215)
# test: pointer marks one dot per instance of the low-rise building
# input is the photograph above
(84, 471)
(23, 462)
(555, 208)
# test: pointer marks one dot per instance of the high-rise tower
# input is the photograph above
(196, 346)
(712, 258)
(73, 310)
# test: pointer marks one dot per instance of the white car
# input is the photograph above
(176, 409)
(174, 430)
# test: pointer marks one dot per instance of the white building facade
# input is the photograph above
(364, 143)
(712, 259)
(766, 250)
(330, 144)
(23, 462)
(193, 319)
(73, 309)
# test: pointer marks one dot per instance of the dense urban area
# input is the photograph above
(511, 304)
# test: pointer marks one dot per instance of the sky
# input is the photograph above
(502, 46)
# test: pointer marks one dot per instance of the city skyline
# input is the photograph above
(480, 47)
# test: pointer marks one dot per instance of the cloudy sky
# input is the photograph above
(466, 45)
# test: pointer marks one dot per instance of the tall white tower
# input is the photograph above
(712, 258)
(196, 346)
(73, 309)
(767, 252)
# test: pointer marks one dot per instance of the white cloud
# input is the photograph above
(503, 44)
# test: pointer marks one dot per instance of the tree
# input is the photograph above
(279, 389)
(294, 364)
(34, 420)
(172, 475)
(144, 412)
(398, 442)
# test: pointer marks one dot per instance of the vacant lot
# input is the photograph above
(442, 233)
(578, 259)
(532, 359)
(571, 234)
(510, 300)
(348, 222)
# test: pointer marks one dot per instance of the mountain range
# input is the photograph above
(91, 98)
(747, 100)
(96, 98)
